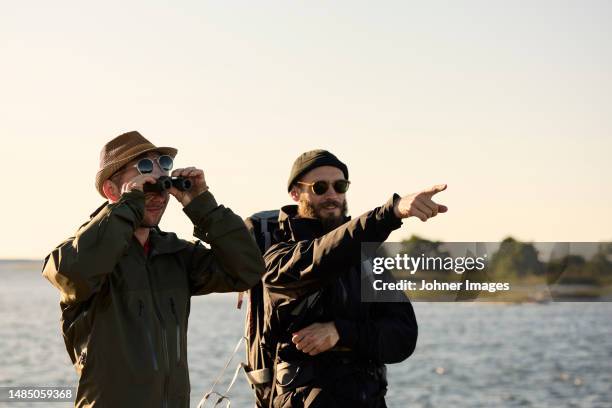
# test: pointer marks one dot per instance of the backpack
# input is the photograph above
(259, 366)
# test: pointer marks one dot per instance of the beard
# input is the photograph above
(330, 222)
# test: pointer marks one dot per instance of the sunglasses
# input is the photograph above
(320, 187)
(146, 165)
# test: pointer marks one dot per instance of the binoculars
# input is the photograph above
(165, 183)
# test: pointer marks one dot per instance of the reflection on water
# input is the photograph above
(468, 355)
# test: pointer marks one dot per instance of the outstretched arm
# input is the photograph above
(297, 268)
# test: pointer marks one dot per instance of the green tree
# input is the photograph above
(515, 259)
(598, 267)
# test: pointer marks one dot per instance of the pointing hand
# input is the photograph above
(420, 204)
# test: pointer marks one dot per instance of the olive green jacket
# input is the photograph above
(124, 314)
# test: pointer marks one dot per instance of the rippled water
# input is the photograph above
(468, 355)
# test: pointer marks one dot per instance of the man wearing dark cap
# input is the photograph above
(330, 348)
(126, 285)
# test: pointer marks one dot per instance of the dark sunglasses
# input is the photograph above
(146, 165)
(320, 187)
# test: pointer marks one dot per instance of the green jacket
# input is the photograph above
(124, 314)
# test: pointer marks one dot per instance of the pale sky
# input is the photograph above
(509, 102)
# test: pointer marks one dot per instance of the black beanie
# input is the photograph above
(313, 159)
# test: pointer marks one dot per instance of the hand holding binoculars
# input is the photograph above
(166, 183)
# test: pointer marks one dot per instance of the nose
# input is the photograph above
(157, 173)
(157, 170)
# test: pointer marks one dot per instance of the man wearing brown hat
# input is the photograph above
(330, 349)
(126, 285)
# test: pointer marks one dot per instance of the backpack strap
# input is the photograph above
(265, 218)
(266, 233)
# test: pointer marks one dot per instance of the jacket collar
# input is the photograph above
(161, 242)
(165, 242)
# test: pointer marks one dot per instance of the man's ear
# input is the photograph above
(295, 194)
(111, 191)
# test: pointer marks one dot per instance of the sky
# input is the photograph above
(508, 102)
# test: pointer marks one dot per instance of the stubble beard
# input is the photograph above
(153, 221)
(150, 224)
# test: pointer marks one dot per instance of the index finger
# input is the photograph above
(176, 172)
(435, 189)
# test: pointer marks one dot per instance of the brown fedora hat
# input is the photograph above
(120, 151)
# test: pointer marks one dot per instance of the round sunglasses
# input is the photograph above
(146, 165)
(320, 187)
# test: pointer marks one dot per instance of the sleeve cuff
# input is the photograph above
(347, 333)
(387, 215)
(130, 207)
(200, 207)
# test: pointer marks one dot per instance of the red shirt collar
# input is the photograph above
(147, 247)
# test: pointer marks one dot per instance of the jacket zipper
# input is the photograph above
(178, 331)
(148, 333)
(164, 338)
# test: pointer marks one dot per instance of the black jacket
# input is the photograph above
(309, 261)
